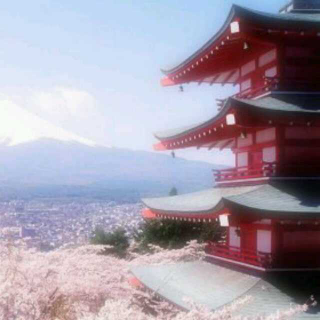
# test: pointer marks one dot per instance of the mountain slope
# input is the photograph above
(52, 162)
(40, 158)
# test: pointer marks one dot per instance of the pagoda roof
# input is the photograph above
(206, 202)
(294, 199)
(278, 199)
(275, 104)
(285, 21)
(214, 287)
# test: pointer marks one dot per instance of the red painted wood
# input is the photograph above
(248, 239)
(178, 215)
(148, 214)
(254, 257)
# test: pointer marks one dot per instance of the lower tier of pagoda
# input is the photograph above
(216, 286)
(275, 226)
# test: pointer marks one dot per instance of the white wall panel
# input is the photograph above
(234, 239)
(264, 241)
(269, 154)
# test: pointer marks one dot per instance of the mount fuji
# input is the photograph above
(20, 126)
(40, 159)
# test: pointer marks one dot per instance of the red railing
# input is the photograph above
(285, 260)
(276, 84)
(266, 170)
(255, 258)
(246, 94)
(286, 83)
(253, 92)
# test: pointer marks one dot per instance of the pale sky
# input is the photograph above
(93, 67)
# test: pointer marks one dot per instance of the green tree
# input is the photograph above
(173, 192)
(117, 239)
(175, 234)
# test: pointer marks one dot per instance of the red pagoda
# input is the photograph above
(270, 202)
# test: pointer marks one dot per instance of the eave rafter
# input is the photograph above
(218, 58)
(227, 144)
(195, 217)
(220, 132)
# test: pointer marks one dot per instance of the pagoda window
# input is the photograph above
(267, 57)
(248, 68)
(269, 154)
(264, 241)
(234, 238)
(242, 159)
(266, 135)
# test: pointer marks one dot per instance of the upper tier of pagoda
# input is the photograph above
(282, 42)
(240, 117)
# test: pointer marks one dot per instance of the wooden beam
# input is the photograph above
(231, 75)
(213, 145)
(226, 144)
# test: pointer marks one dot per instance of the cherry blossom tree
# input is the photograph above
(81, 284)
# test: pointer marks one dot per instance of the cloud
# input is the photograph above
(62, 102)
(70, 108)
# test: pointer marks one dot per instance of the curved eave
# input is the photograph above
(207, 45)
(287, 22)
(203, 204)
(218, 128)
(182, 132)
(282, 109)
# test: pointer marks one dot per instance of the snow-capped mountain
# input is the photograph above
(20, 126)
(35, 153)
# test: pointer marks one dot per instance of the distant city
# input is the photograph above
(51, 223)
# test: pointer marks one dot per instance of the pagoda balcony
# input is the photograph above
(236, 254)
(245, 173)
(254, 92)
(261, 260)
(278, 84)
(266, 170)
(292, 84)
